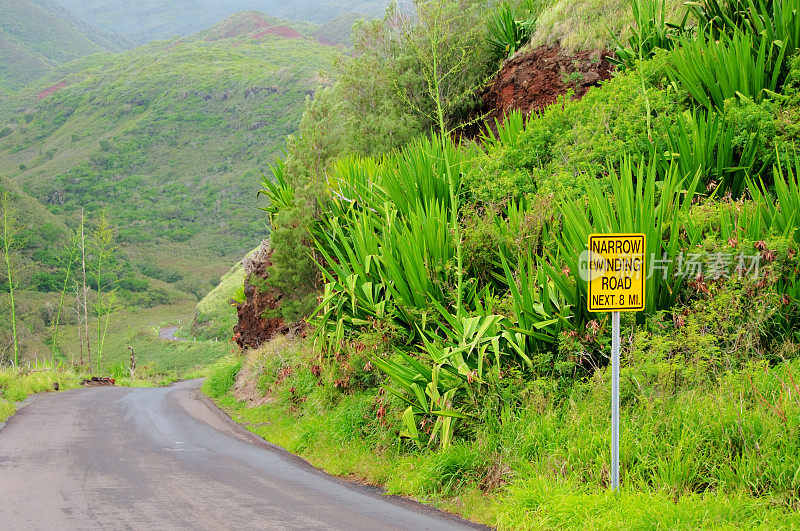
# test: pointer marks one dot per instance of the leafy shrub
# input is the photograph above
(131, 283)
(45, 282)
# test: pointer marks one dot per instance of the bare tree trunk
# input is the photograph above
(9, 234)
(133, 361)
(85, 305)
(78, 312)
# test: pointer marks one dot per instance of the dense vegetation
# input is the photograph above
(169, 123)
(455, 340)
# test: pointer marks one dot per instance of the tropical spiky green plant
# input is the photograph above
(509, 131)
(424, 172)
(704, 142)
(731, 67)
(775, 21)
(389, 239)
(506, 34)
(781, 216)
(280, 193)
(650, 33)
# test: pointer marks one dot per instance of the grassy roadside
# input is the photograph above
(544, 464)
(17, 385)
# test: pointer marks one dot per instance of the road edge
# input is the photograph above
(371, 490)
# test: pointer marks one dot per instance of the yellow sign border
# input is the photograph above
(643, 276)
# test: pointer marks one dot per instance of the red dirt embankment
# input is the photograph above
(259, 316)
(50, 90)
(532, 81)
(255, 324)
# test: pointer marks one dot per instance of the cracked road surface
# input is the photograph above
(163, 458)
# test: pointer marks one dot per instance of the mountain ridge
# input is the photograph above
(38, 35)
(149, 20)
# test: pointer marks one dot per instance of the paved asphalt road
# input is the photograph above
(168, 332)
(123, 458)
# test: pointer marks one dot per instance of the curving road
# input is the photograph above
(164, 458)
(168, 333)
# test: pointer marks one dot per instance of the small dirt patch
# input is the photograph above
(534, 80)
(246, 387)
(50, 90)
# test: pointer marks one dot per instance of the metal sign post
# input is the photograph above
(615, 401)
(615, 271)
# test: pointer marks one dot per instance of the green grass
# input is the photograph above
(17, 385)
(221, 376)
(139, 328)
(588, 24)
(545, 503)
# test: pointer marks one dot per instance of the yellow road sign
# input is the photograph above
(616, 272)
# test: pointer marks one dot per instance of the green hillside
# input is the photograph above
(36, 35)
(147, 20)
(169, 139)
(337, 30)
(164, 135)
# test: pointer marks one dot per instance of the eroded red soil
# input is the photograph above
(259, 318)
(534, 80)
(50, 90)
